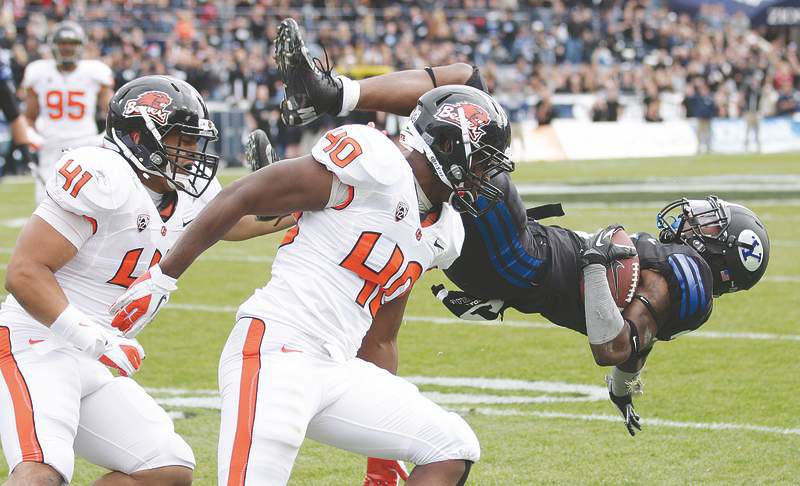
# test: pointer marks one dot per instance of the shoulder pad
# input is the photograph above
(33, 72)
(99, 71)
(91, 180)
(361, 156)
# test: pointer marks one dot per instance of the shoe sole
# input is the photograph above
(290, 50)
(258, 150)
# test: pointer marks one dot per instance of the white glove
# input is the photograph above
(124, 355)
(139, 305)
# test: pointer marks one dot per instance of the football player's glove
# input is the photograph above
(311, 91)
(124, 355)
(602, 250)
(625, 405)
(467, 307)
(139, 305)
(385, 472)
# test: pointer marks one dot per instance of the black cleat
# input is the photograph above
(258, 151)
(311, 90)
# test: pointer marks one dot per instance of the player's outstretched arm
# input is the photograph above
(291, 185)
(300, 184)
(398, 92)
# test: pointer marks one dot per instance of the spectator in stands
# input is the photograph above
(787, 101)
(751, 101)
(544, 110)
(703, 107)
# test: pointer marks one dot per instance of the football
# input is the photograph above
(623, 275)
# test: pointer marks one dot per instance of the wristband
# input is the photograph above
(68, 326)
(351, 92)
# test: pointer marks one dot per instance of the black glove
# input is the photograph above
(258, 153)
(625, 406)
(467, 307)
(603, 251)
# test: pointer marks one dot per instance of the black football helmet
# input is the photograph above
(66, 43)
(729, 237)
(465, 135)
(144, 111)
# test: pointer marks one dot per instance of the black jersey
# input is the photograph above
(532, 267)
(689, 280)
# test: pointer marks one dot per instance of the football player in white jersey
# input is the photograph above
(111, 212)
(375, 216)
(63, 98)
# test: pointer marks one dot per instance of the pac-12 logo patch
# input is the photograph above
(475, 115)
(752, 254)
(401, 211)
(142, 221)
(154, 103)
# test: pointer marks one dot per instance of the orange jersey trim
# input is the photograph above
(248, 394)
(351, 192)
(21, 401)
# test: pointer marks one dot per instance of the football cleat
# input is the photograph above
(385, 472)
(311, 90)
(258, 151)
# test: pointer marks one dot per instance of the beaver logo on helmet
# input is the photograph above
(155, 104)
(476, 117)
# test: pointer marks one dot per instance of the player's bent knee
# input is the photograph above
(164, 476)
(34, 474)
(454, 440)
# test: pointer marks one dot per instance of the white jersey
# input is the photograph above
(112, 220)
(67, 100)
(337, 267)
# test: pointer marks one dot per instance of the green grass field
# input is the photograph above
(720, 406)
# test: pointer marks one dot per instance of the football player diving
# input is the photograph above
(705, 248)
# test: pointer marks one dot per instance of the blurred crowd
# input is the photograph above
(532, 52)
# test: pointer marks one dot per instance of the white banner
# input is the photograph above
(582, 140)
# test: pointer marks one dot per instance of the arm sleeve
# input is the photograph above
(603, 319)
(71, 226)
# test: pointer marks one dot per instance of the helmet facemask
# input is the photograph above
(67, 34)
(463, 164)
(703, 225)
(187, 170)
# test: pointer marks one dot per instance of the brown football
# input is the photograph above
(623, 275)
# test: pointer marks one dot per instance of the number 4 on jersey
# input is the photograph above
(71, 174)
(356, 262)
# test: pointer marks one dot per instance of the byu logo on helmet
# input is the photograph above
(752, 254)
(155, 104)
(476, 117)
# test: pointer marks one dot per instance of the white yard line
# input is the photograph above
(209, 399)
(757, 336)
(646, 422)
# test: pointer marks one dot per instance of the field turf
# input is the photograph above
(720, 406)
